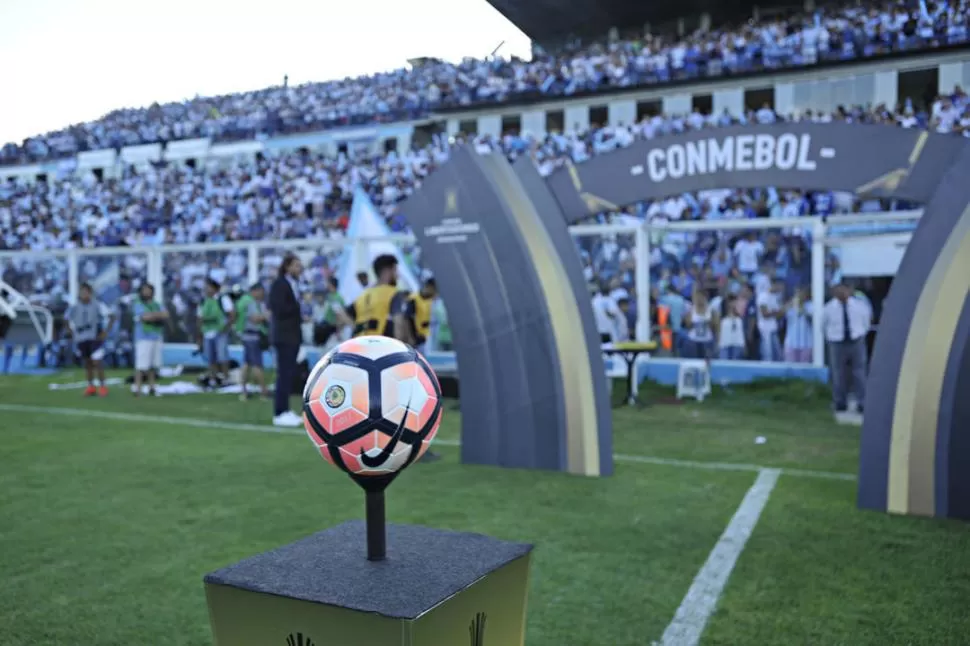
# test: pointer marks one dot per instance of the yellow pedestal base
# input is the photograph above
(436, 588)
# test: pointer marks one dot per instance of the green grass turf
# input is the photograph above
(109, 525)
(819, 571)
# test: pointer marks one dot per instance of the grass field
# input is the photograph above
(111, 511)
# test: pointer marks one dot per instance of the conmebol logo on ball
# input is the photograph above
(754, 152)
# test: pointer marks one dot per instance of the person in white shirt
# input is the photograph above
(769, 312)
(701, 321)
(763, 279)
(747, 254)
(731, 335)
(607, 315)
(624, 322)
(846, 322)
(798, 328)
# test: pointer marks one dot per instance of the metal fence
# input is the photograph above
(638, 257)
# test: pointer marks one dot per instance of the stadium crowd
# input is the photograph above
(306, 196)
(836, 33)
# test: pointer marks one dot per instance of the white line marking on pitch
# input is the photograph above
(232, 426)
(702, 597)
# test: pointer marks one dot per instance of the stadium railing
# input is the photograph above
(52, 278)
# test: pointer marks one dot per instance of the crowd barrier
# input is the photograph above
(642, 256)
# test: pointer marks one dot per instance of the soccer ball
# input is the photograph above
(372, 406)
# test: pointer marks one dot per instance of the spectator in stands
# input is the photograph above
(701, 321)
(287, 318)
(606, 313)
(770, 312)
(748, 252)
(676, 305)
(798, 328)
(627, 323)
(731, 337)
(830, 33)
(300, 195)
(748, 309)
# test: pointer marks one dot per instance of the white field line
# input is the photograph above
(233, 426)
(702, 596)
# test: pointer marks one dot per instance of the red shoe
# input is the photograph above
(90, 391)
(102, 391)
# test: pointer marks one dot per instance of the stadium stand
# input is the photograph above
(305, 195)
(839, 33)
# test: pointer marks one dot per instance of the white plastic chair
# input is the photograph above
(693, 379)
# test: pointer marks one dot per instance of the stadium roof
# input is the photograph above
(548, 21)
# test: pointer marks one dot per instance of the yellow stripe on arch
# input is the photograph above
(912, 454)
(582, 438)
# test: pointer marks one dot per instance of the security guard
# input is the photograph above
(417, 312)
(380, 309)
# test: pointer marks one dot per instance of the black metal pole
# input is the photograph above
(376, 530)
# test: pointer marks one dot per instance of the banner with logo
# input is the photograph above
(866, 159)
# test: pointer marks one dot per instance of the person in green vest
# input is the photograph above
(440, 330)
(252, 326)
(216, 316)
(150, 321)
(240, 303)
(333, 307)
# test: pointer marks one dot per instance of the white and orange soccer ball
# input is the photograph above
(372, 406)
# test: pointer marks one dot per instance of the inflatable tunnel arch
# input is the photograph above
(917, 427)
(916, 431)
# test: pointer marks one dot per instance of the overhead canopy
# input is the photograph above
(551, 21)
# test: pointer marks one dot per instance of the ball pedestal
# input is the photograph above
(375, 513)
(417, 586)
(433, 588)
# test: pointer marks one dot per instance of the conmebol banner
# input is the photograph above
(864, 159)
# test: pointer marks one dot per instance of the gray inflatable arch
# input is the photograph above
(917, 429)
(916, 432)
(504, 263)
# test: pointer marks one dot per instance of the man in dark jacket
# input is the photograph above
(287, 334)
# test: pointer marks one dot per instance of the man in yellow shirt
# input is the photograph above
(380, 309)
(417, 314)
